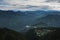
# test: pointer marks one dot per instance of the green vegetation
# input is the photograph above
(48, 34)
(43, 34)
(7, 34)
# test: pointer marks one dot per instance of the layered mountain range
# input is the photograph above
(19, 20)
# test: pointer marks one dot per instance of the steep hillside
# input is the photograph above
(7, 34)
(51, 20)
(43, 34)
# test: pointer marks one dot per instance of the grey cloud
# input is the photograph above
(18, 6)
(52, 0)
(2, 2)
(29, 7)
(35, 7)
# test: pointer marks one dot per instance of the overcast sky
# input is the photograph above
(29, 5)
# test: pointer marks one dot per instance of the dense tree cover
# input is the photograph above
(54, 35)
(7, 34)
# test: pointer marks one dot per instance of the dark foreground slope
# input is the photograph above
(53, 34)
(7, 34)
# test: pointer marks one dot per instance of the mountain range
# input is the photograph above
(19, 20)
